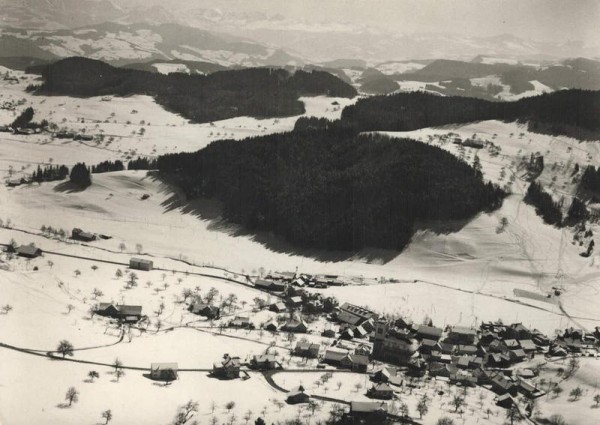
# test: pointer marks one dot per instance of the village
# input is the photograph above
(307, 333)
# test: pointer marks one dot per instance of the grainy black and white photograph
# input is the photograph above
(299, 212)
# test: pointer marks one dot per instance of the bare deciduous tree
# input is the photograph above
(72, 395)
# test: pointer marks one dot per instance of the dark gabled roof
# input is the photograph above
(359, 359)
(367, 406)
(263, 283)
(466, 349)
(262, 358)
(518, 353)
(130, 310)
(381, 386)
(357, 310)
(28, 250)
(463, 330)
(424, 330)
(141, 261)
(334, 355)
(350, 318)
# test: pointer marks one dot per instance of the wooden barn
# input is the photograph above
(140, 264)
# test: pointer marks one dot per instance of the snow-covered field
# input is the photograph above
(128, 127)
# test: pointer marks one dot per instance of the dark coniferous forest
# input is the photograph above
(333, 189)
(256, 92)
(589, 186)
(545, 206)
(80, 175)
(569, 112)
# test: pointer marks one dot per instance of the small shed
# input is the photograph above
(140, 264)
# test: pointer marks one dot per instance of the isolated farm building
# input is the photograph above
(295, 325)
(28, 251)
(297, 395)
(205, 310)
(381, 391)
(264, 362)
(227, 368)
(369, 412)
(277, 307)
(472, 143)
(140, 264)
(163, 371)
(84, 137)
(126, 313)
(429, 332)
(462, 335)
(307, 349)
(80, 235)
(16, 182)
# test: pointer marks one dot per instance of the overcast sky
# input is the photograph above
(552, 20)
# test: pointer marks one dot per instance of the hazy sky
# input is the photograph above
(552, 20)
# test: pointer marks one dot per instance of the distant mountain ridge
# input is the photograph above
(122, 44)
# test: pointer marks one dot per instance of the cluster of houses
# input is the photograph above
(279, 281)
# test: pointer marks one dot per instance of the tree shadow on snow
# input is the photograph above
(210, 211)
(67, 187)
